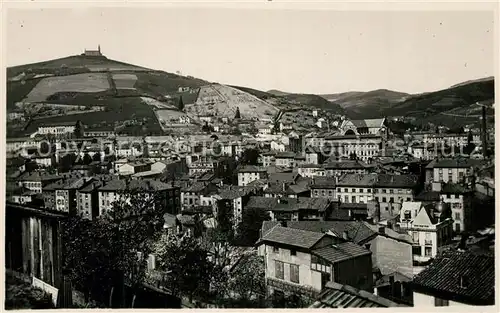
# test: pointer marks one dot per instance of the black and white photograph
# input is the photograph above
(257, 155)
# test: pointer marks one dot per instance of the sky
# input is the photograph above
(314, 51)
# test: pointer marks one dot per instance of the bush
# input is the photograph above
(21, 295)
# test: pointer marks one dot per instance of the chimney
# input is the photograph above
(345, 235)
(381, 230)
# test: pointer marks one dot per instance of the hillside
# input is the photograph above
(447, 106)
(223, 101)
(100, 92)
(367, 104)
(278, 93)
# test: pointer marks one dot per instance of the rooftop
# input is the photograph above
(454, 163)
(343, 296)
(377, 180)
(356, 231)
(292, 237)
(463, 276)
(341, 252)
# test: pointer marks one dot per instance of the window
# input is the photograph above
(391, 190)
(346, 190)
(346, 199)
(408, 199)
(353, 198)
(428, 251)
(293, 252)
(457, 215)
(391, 200)
(353, 189)
(407, 215)
(415, 237)
(457, 227)
(338, 189)
(368, 190)
(294, 273)
(384, 199)
(276, 250)
(384, 191)
(450, 175)
(279, 269)
(330, 193)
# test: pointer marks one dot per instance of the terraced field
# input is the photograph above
(88, 82)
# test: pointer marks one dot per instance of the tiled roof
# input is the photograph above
(341, 252)
(454, 163)
(252, 169)
(301, 203)
(339, 215)
(36, 176)
(262, 202)
(343, 296)
(443, 276)
(91, 186)
(356, 231)
(234, 193)
(346, 164)
(292, 237)
(323, 182)
(268, 225)
(282, 177)
(377, 180)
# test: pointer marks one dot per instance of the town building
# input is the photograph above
(311, 170)
(458, 170)
(88, 200)
(338, 168)
(57, 129)
(323, 187)
(303, 262)
(367, 126)
(430, 227)
(250, 173)
(390, 191)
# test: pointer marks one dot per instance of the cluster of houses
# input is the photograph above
(350, 216)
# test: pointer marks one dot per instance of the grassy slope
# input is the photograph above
(368, 104)
(444, 100)
(71, 62)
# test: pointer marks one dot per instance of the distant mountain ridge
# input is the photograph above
(438, 106)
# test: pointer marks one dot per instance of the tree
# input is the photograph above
(112, 250)
(78, 132)
(238, 114)
(247, 281)
(67, 162)
(180, 105)
(185, 262)
(248, 230)
(87, 159)
(250, 156)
